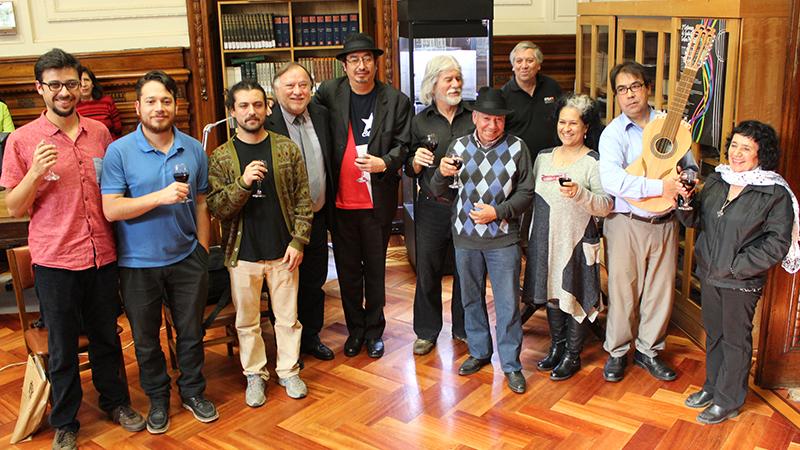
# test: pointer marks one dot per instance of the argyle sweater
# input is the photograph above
(500, 176)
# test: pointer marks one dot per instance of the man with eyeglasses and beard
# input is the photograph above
(259, 191)
(370, 128)
(445, 119)
(51, 169)
(154, 187)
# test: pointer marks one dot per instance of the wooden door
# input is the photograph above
(778, 359)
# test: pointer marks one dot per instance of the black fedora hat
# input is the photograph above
(358, 42)
(490, 101)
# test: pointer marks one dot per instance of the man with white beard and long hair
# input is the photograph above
(443, 120)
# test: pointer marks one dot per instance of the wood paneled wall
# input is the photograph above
(559, 57)
(117, 72)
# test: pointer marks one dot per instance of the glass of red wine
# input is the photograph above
(258, 192)
(181, 174)
(458, 161)
(688, 179)
(564, 179)
(430, 141)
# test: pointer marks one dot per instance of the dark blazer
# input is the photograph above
(320, 118)
(389, 139)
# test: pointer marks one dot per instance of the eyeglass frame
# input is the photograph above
(634, 87)
(61, 85)
(356, 60)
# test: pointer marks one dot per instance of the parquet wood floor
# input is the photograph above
(404, 402)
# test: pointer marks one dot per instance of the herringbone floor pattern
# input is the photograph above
(404, 402)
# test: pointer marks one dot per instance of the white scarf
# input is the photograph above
(758, 177)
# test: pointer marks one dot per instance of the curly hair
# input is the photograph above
(764, 136)
(590, 116)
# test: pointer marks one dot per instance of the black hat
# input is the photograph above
(358, 42)
(490, 101)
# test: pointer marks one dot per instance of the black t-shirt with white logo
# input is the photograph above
(362, 108)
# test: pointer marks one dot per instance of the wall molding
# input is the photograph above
(83, 10)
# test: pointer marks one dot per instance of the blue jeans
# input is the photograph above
(503, 266)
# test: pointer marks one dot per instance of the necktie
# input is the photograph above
(314, 164)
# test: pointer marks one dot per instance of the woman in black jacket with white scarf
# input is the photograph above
(746, 216)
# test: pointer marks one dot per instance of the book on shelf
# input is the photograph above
(323, 30)
(248, 31)
(254, 68)
(322, 69)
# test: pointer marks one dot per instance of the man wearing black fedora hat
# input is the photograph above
(495, 188)
(371, 130)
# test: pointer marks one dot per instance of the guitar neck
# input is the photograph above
(678, 101)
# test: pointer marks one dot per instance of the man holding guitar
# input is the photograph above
(642, 241)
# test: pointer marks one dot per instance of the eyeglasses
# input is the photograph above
(354, 60)
(56, 86)
(633, 87)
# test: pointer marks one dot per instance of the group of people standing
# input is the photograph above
(132, 217)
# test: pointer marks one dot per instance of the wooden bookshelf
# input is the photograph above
(290, 42)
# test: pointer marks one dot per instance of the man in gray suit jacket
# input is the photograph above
(371, 130)
(307, 124)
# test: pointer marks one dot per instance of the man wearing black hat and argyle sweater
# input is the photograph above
(371, 131)
(495, 188)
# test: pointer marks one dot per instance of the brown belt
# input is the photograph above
(653, 220)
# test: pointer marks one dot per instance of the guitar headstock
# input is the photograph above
(699, 46)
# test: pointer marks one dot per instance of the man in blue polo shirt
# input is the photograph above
(162, 233)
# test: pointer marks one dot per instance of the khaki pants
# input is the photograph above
(246, 282)
(641, 281)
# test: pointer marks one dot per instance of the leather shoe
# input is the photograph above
(699, 399)
(472, 365)
(516, 381)
(318, 350)
(423, 346)
(375, 348)
(716, 414)
(352, 346)
(614, 370)
(657, 368)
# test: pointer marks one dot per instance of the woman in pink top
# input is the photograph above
(95, 105)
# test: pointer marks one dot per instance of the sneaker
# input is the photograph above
(158, 419)
(255, 396)
(65, 440)
(202, 409)
(295, 387)
(127, 418)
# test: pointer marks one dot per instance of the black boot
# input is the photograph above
(571, 363)
(557, 320)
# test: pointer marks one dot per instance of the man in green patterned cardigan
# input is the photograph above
(259, 191)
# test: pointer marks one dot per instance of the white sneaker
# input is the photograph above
(295, 387)
(255, 396)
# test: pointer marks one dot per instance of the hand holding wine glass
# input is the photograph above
(45, 157)
(261, 165)
(456, 161)
(423, 157)
(181, 174)
(688, 179)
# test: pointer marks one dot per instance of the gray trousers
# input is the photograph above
(641, 280)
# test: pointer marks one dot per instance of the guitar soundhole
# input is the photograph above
(663, 146)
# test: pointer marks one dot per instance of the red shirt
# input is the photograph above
(351, 194)
(67, 229)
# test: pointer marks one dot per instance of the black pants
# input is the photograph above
(728, 320)
(313, 273)
(184, 288)
(359, 249)
(65, 296)
(434, 244)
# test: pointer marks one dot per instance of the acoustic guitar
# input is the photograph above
(666, 139)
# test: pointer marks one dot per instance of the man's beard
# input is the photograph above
(158, 129)
(63, 113)
(250, 129)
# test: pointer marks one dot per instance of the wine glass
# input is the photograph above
(430, 141)
(181, 174)
(50, 175)
(458, 161)
(361, 150)
(259, 193)
(688, 179)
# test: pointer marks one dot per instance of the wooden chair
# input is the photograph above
(19, 262)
